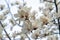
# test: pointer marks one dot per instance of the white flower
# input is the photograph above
(35, 25)
(2, 17)
(55, 37)
(23, 13)
(46, 12)
(52, 37)
(56, 15)
(23, 36)
(36, 34)
(16, 3)
(5, 12)
(32, 15)
(49, 5)
(27, 27)
(14, 34)
(44, 20)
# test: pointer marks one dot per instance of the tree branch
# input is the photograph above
(28, 36)
(57, 12)
(48, 1)
(5, 31)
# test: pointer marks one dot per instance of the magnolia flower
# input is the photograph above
(49, 5)
(35, 25)
(23, 36)
(5, 12)
(56, 15)
(49, 38)
(26, 9)
(2, 17)
(46, 12)
(27, 27)
(44, 20)
(55, 37)
(14, 34)
(52, 37)
(15, 3)
(36, 34)
(32, 15)
(23, 13)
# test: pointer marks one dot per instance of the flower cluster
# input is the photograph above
(32, 26)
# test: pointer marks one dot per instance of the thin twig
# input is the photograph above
(56, 6)
(57, 12)
(48, 1)
(5, 31)
(28, 36)
(9, 8)
(11, 13)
